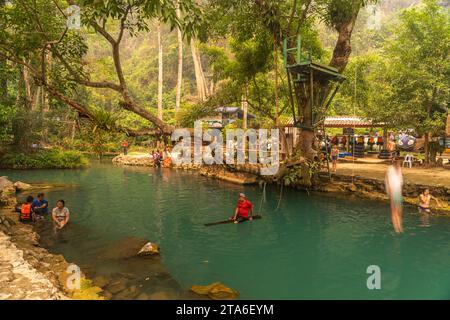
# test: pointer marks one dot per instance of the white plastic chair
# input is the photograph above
(408, 160)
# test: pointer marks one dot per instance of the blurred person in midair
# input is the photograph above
(394, 185)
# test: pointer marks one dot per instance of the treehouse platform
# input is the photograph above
(312, 85)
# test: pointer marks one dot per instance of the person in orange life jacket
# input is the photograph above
(26, 211)
(243, 209)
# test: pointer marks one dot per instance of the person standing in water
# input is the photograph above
(394, 185)
(125, 147)
(60, 215)
(243, 209)
(425, 198)
(334, 157)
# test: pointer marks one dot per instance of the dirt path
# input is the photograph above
(377, 170)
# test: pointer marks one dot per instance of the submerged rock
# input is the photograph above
(117, 287)
(129, 247)
(127, 294)
(148, 249)
(216, 291)
(143, 296)
(101, 281)
(162, 295)
(22, 186)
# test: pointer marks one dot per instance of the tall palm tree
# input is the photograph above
(160, 73)
(180, 63)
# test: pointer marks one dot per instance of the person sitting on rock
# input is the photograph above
(26, 211)
(40, 205)
(60, 215)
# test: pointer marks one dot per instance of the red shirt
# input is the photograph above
(243, 208)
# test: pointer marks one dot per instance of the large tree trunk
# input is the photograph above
(160, 74)
(180, 64)
(306, 144)
(202, 89)
(447, 129)
(3, 80)
(427, 147)
(343, 47)
(37, 101)
(3, 77)
(27, 85)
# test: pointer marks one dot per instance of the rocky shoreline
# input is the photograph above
(374, 189)
(28, 271)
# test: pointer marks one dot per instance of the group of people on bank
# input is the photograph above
(346, 143)
(34, 209)
(161, 158)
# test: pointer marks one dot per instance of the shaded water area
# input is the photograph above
(313, 247)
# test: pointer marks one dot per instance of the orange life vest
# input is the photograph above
(25, 211)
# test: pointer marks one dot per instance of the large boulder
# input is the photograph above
(22, 186)
(6, 186)
(129, 247)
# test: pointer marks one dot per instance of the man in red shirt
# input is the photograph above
(243, 208)
(125, 147)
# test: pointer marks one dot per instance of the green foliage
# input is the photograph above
(189, 113)
(7, 114)
(44, 159)
(101, 129)
(292, 176)
(411, 84)
(142, 12)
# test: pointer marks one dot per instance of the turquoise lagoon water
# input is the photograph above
(313, 247)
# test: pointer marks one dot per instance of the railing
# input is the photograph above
(297, 50)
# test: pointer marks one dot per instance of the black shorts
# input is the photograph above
(423, 209)
(41, 212)
(26, 221)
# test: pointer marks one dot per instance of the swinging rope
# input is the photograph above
(263, 198)
(281, 196)
(354, 127)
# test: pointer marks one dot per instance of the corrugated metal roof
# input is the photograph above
(337, 122)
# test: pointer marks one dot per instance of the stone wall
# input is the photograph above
(134, 160)
(375, 189)
(229, 174)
